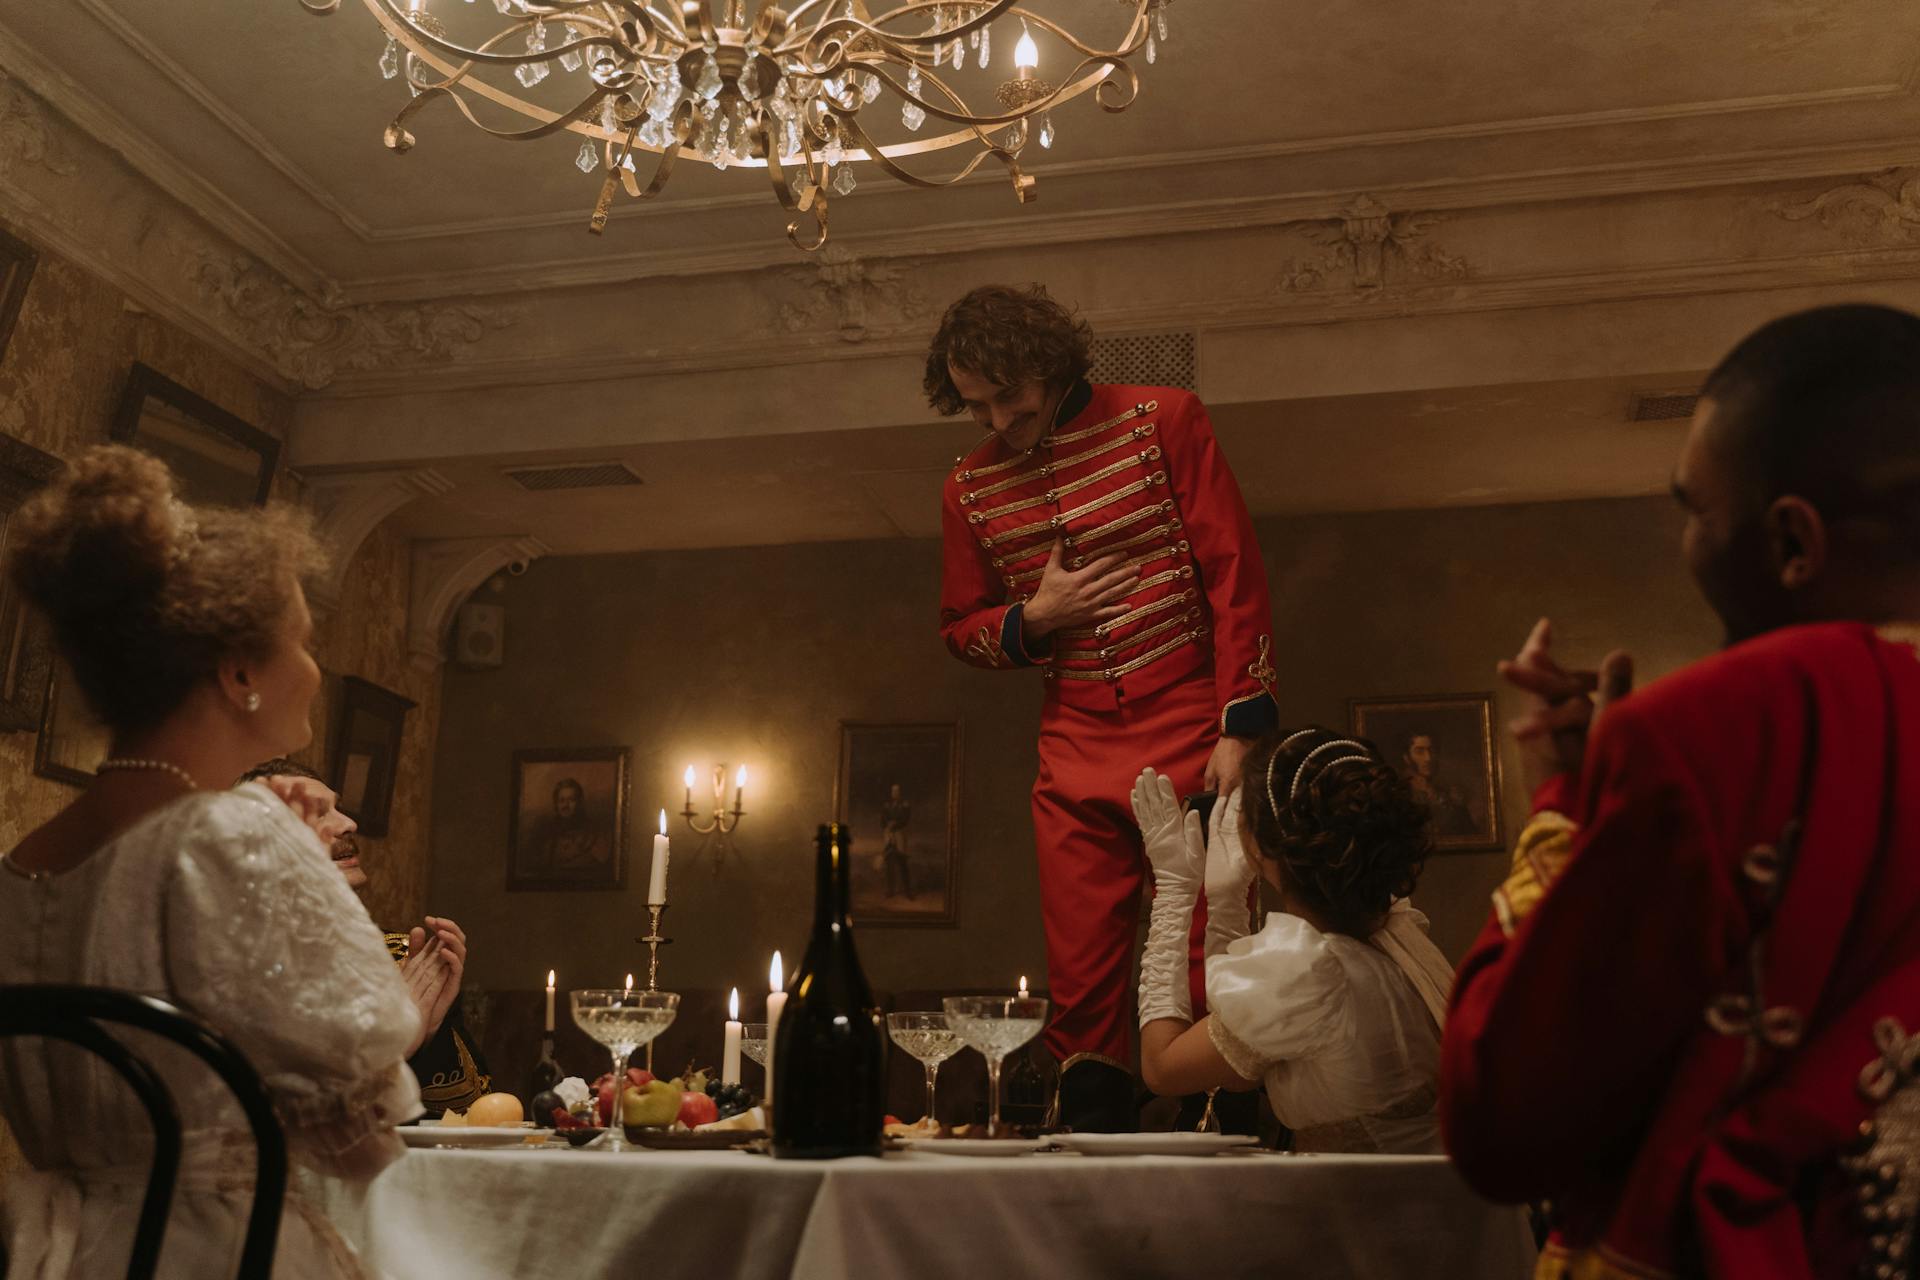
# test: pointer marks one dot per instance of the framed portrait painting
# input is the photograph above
(1444, 746)
(220, 459)
(899, 792)
(568, 828)
(366, 751)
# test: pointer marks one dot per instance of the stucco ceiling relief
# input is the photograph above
(1877, 210)
(1364, 246)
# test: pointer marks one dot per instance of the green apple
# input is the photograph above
(652, 1105)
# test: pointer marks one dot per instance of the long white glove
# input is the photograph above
(1176, 850)
(1229, 877)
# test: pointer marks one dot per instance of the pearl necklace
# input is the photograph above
(147, 766)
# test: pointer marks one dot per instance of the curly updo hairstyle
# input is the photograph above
(1008, 336)
(1349, 839)
(147, 595)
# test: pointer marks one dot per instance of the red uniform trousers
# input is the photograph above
(1092, 865)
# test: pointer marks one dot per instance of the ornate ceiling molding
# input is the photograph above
(1879, 209)
(850, 296)
(349, 507)
(27, 134)
(1365, 243)
(445, 572)
(313, 342)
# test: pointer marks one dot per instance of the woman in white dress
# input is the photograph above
(1336, 1005)
(187, 632)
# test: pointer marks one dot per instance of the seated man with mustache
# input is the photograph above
(451, 1072)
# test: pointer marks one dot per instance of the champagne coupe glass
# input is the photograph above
(928, 1037)
(996, 1026)
(753, 1041)
(622, 1021)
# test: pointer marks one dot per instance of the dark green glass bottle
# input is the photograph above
(829, 1058)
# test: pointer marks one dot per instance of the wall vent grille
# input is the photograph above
(1662, 406)
(574, 475)
(1149, 360)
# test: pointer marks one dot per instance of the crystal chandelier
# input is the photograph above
(796, 92)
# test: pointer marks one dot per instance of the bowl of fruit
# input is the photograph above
(693, 1111)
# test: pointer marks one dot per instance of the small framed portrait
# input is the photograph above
(366, 751)
(17, 260)
(1443, 745)
(899, 793)
(219, 459)
(569, 824)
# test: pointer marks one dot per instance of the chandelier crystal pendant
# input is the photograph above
(800, 93)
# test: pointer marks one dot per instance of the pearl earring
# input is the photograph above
(253, 701)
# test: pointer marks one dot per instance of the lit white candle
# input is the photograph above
(730, 1047)
(549, 999)
(629, 984)
(1023, 986)
(657, 882)
(739, 787)
(689, 807)
(776, 1003)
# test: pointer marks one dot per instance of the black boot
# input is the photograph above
(1097, 1096)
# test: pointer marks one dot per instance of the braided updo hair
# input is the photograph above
(1349, 838)
(146, 594)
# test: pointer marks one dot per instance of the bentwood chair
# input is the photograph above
(76, 1014)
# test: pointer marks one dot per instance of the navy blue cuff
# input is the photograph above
(1013, 640)
(1250, 718)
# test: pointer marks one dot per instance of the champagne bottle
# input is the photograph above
(828, 1054)
(546, 1073)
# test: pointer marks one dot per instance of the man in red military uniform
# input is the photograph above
(1097, 534)
(1688, 1025)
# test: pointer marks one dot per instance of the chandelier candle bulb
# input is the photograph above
(776, 1002)
(730, 1046)
(549, 1000)
(657, 881)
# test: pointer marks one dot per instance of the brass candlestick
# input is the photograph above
(654, 942)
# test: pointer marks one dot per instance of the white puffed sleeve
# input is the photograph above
(268, 944)
(1277, 995)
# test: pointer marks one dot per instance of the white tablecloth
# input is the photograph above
(525, 1214)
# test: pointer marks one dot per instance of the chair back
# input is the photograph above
(75, 1014)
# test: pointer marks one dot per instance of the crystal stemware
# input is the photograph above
(929, 1038)
(996, 1026)
(622, 1021)
(753, 1041)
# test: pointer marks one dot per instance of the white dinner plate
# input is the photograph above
(978, 1146)
(1153, 1144)
(466, 1135)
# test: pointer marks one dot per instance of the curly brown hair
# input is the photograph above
(1008, 336)
(1351, 840)
(148, 595)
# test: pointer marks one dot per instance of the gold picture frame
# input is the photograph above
(1443, 744)
(898, 790)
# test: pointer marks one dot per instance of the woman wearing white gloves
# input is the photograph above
(1336, 1005)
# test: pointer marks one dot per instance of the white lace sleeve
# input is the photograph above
(265, 941)
(1277, 995)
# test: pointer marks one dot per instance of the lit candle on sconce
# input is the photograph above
(549, 1000)
(776, 1004)
(689, 788)
(730, 1046)
(739, 789)
(657, 881)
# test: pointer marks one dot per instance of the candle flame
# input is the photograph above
(1026, 53)
(629, 982)
(663, 822)
(733, 1006)
(549, 979)
(689, 775)
(776, 974)
(1023, 986)
(740, 778)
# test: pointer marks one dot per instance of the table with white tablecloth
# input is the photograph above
(530, 1213)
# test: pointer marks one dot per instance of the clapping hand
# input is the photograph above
(1175, 846)
(1562, 703)
(433, 969)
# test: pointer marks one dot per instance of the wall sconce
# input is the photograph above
(722, 820)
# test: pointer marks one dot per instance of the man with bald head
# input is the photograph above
(1690, 1024)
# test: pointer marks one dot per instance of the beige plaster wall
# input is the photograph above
(754, 655)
